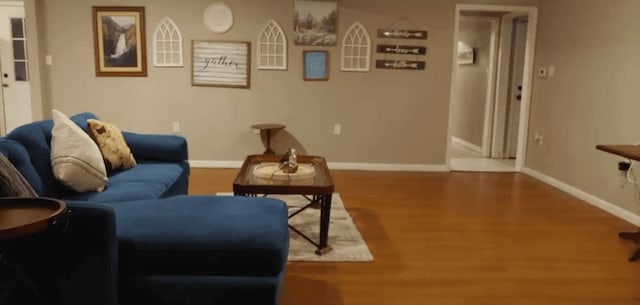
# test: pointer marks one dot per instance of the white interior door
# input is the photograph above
(517, 71)
(15, 99)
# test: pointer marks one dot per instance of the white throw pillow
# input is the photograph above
(75, 158)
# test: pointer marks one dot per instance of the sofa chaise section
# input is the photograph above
(143, 240)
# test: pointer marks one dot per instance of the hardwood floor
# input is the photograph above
(463, 238)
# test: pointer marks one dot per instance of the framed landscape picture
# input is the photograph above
(315, 23)
(315, 65)
(119, 41)
(221, 64)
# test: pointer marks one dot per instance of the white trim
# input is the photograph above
(390, 167)
(527, 83)
(491, 89)
(214, 164)
(582, 195)
(336, 165)
(465, 144)
(12, 3)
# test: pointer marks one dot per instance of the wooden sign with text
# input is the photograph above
(221, 64)
(402, 34)
(405, 50)
(400, 64)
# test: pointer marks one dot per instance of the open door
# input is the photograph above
(507, 112)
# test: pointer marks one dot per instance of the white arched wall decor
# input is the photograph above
(272, 47)
(167, 44)
(356, 49)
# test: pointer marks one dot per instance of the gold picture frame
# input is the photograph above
(119, 41)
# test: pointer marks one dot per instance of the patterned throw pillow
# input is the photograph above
(75, 158)
(115, 151)
(12, 182)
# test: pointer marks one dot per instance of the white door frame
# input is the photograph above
(532, 14)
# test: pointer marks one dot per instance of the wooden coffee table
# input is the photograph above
(318, 190)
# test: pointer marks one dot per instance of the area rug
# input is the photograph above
(345, 239)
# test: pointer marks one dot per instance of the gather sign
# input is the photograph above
(220, 64)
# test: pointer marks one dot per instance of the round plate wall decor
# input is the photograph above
(218, 17)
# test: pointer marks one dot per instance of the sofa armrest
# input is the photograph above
(157, 147)
(88, 256)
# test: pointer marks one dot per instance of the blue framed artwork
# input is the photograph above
(316, 65)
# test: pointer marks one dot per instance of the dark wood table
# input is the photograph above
(20, 217)
(630, 152)
(318, 190)
(266, 131)
(25, 216)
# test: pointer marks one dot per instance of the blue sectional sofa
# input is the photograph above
(143, 240)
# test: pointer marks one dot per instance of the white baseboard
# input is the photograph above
(582, 195)
(390, 167)
(336, 165)
(215, 164)
(466, 144)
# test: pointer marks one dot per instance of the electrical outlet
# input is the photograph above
(176, 126)
(537, 137)
(337, 129)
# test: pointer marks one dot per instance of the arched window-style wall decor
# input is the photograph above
(167, 44)
(272, 47)
(356, 49)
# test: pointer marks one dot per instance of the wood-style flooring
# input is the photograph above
(463, 238)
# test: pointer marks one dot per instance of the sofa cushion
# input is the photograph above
(202, 235)
(12, 183)
(147, 180)
(75, 158)
(115, 151)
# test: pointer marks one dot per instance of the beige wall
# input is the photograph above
(470, 87)
(387, 116)
(593, 99)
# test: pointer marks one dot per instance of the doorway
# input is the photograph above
(15, 93)
(490, 94)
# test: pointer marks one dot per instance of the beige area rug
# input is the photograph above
(344, 237)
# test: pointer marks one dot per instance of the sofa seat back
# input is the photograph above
(19, 157)
(36, 140)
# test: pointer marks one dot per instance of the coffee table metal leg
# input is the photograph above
(325, 216)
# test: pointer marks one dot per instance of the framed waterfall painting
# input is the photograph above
(119, 41)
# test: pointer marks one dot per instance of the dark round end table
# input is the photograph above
(266, 133)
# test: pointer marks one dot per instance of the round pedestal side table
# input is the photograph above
(21, 217)
(266, 131)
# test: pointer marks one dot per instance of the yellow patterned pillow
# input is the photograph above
(115, 151)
